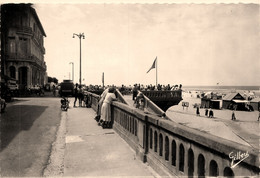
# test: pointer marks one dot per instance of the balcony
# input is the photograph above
(13, 57)
(37, 42)
(24, 30)
(37, 61)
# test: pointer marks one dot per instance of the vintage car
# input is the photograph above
(66, 88)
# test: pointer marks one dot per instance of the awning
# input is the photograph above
(240, 101)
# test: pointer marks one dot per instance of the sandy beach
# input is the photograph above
(245, 130)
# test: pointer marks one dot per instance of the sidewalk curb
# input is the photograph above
(55, 166)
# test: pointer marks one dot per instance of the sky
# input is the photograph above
(195, 44)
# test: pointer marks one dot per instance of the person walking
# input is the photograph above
(105, 119)
(135, 91)
(54, 90)
(198, 111)
(211, 114)
(206, 112)
(75, 94)
(80, 96)
(233, 117)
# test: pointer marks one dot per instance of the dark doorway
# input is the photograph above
(12, 72)
(23, 73)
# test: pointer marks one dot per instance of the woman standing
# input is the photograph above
(100, 102)
(106, 108)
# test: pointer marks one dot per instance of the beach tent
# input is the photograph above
(207, 95)
(255, 103)
(234, 101)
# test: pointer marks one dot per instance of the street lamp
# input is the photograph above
(80, 35)
(72, 70)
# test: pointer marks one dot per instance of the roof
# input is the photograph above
(231, 96)
(37, 20)
(11, 7)
(240, 101)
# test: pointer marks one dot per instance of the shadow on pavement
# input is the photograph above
(16, 119)
(17, 100)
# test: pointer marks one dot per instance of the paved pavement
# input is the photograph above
(27, 131)
(93, 151)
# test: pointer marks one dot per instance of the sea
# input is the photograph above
(224, 89)
(218, 87)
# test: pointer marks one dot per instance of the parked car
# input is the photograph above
(66, 89)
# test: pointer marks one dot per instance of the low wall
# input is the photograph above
(173, 149)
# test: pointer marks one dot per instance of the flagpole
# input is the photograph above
(156, 71)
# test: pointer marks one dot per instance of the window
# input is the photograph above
(22, 50)
(11, 45)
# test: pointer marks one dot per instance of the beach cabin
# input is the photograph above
(255, 103)
(234, 101)
(211, 100)
(211, 103)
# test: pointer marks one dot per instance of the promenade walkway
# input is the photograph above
(93, 151)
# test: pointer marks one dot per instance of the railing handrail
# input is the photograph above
(209, 141)
(154, 107)
(212, 143)
(120, 97)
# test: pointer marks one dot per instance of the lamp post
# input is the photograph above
(72, 70)
(80, 35)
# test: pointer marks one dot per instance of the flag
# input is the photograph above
(153, 66)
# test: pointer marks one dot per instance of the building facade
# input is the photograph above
(22, 49)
